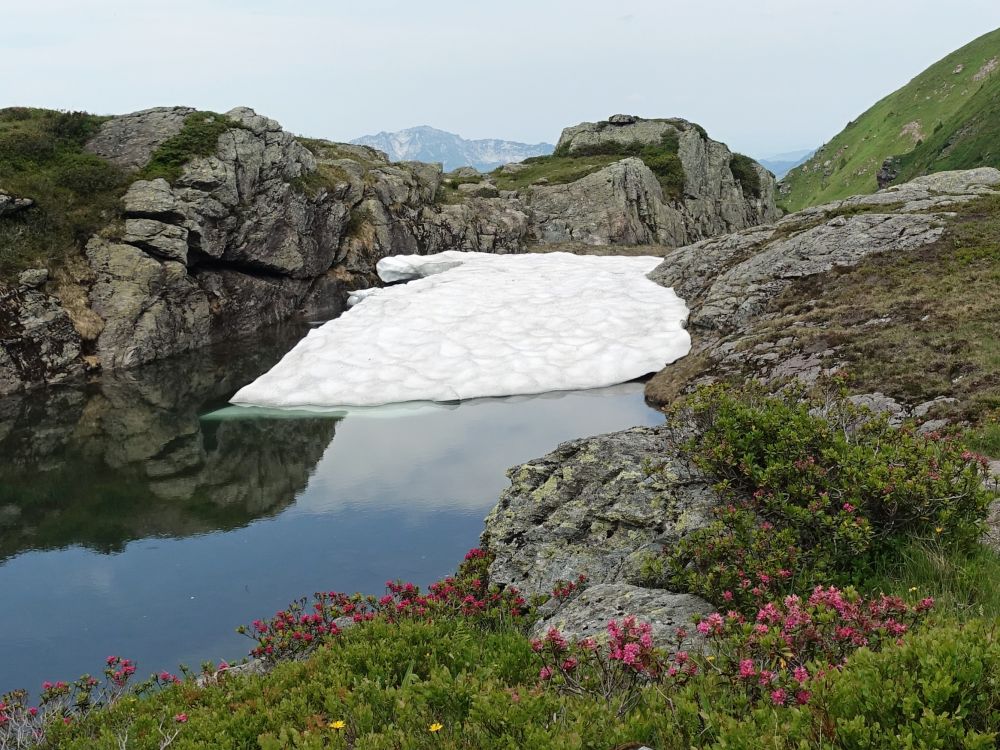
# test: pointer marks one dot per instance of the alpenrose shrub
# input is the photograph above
(773, 658)
(299, 628)
(24, 725)
(813, 500)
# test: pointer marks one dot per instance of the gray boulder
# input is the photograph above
(598, 507)
(588, 613)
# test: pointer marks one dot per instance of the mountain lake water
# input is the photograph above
(141, 517)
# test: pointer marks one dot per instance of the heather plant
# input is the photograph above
(813, 493)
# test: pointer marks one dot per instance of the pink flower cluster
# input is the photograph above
(301, 626)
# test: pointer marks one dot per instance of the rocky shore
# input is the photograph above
(600, 506)
(269, 225)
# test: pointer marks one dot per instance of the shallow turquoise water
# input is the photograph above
(130, 524)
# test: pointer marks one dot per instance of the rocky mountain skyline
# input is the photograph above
(427, 144)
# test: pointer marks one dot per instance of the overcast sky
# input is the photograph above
(765, 76)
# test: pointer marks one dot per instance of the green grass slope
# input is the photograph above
(945, 118)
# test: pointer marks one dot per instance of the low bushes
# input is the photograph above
(811, 500)
(75, 193)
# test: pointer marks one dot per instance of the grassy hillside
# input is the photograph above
(945, 118)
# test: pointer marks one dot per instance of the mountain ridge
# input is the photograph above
(429, 144)
(945, 118)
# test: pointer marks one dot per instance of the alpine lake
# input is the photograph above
(142, 516)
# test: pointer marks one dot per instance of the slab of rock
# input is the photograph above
(588, 613)
(598, 507)
(129, 141)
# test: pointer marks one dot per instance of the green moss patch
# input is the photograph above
(198, 137)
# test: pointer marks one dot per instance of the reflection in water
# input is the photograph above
(130, 524)
(128, 457)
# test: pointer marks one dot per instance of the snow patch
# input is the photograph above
(470, 325)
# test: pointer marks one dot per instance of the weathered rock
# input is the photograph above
(880, 404)
(150, 308)
(11, 204)
(596, 507)
(619, 205)
(624, 203)
(166, 240)
(130, 140)
(38, 343)
(922, 410)
(33, 277)
(588, 613)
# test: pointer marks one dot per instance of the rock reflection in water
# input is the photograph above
(127, 457)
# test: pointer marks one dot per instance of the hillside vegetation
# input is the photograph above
(75, 193)
(948, 117)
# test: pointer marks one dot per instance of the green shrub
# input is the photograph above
(744, 170)
(813, 501)
(42, 157)
(940, 688)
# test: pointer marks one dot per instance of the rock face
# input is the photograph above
(624, 203)
(129, 142)
(37, 340)
(595, 507)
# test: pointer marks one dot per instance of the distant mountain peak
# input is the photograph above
(430, 144)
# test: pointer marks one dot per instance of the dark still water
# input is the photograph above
(130, 524)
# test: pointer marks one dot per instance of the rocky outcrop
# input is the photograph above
(11, 204)
(596, 507)
(729, 282)
(624, 203)
(621, 204)
(129, 141)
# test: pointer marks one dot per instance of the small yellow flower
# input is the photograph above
(938, 530)
(338, 724)
(710, 658)
(435, 727)
(912, 589)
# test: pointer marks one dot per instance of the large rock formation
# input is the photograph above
(266, 224)
(624, 203)
(596, 507)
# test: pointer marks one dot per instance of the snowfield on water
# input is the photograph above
(467, 325)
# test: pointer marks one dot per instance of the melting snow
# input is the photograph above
(467, 325)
